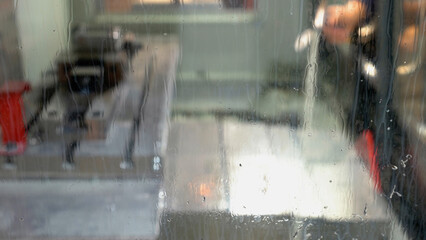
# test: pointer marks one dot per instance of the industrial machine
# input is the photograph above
(102, 114)
(105, 91)
(87, 155)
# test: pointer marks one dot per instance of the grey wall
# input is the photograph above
(225, 62)
(244, 47)
(248, 47)
(224, 50)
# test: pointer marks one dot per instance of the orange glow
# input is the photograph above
(205, 189)
(202, 189)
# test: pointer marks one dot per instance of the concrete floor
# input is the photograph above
(225, 177)
(74, 209)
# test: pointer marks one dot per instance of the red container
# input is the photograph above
(12, 118)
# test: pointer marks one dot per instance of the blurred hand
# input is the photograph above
(341, 20)
(409, 37)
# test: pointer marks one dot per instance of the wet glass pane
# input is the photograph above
(212, 119)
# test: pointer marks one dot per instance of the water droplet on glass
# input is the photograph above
(162, 194)
(112, 208)
(257, 218)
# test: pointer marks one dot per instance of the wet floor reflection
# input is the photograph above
(230, 179)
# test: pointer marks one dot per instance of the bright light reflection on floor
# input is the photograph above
(273, 174)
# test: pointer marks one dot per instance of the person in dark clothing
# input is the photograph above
(341, 20)
(405, 112)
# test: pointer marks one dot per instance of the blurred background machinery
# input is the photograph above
(200, 120)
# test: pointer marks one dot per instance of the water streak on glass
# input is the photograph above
(212, 119)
